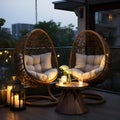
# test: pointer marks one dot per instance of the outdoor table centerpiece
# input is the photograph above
(66, 72)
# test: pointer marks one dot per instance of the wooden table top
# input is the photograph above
(76, 85)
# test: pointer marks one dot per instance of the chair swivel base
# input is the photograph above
(37, 101)
(42, 100)
(93, 98)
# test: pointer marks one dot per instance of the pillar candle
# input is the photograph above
(64, 79)
(17, 103)
(81, 83)
(9, 87)
(3, 96)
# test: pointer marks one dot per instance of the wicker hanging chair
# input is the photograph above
(36, 63)
(90, 58)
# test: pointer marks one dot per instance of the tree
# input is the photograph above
(61, 36)
(6, 40)
(2, 21)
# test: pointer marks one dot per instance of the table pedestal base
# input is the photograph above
(71, 102)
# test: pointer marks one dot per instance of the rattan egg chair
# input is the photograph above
(36, 64)
(90, 59)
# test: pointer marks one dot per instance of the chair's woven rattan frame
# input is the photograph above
(34, 43)
(91, 43)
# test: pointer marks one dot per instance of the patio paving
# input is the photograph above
(106, 111)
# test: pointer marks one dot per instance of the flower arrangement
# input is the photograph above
(66, 71)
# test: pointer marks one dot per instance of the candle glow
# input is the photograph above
(80, 83)
(9, 87)
(16, 101)
(64, 78)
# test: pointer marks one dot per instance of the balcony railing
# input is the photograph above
(111, 83)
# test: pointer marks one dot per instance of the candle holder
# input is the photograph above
(9, 87)
(17, 97)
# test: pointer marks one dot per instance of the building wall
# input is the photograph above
(17, 28)
(82, 21)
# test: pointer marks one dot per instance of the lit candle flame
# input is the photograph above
(6, 60)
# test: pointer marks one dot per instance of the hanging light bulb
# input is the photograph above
(0, 53)
(110, 17)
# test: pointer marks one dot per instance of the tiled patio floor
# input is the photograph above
(110, 110)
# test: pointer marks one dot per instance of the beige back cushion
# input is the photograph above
(45, 61)
(38, 63)
(80, 61)
(89, 62)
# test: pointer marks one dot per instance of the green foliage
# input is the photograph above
(61, 36)
(2, 21)
(6, 40)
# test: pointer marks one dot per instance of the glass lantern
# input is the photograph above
(17, 97)
(9, 87)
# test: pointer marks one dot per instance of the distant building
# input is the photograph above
(18, 27)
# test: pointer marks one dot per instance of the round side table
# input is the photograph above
(71, 101)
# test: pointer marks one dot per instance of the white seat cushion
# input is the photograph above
(85, 76)
(51, 73)
(76, 72)
(39, 66)
(88, 67)
(38, 76)
(46, 76)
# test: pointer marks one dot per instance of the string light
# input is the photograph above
(6, 51)
(6, 60)
(0, 53)
(10, 56)
(58, 55)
